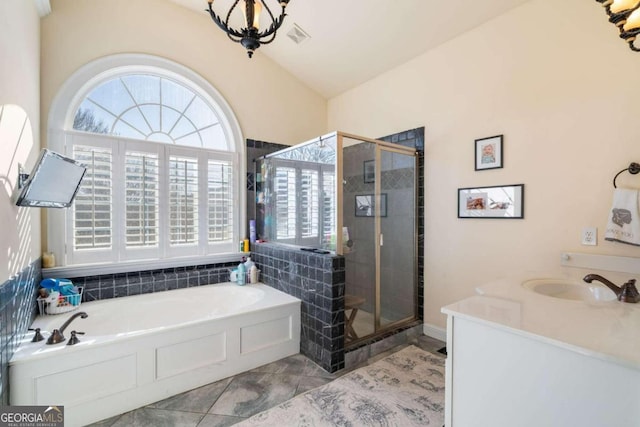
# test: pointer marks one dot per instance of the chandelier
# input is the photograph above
(625, 14)
(250, 36)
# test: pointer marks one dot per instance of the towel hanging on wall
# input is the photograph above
(624, 218)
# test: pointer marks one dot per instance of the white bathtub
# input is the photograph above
(141, 349)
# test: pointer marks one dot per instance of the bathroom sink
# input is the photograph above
(569, 290)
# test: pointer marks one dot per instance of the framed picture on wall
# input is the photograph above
(502, 201)
(369, 171)
(489, 153)
(366, 205)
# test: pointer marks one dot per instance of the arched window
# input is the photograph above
(150, 108)
(163, 164)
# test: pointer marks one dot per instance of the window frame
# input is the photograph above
(61, 115)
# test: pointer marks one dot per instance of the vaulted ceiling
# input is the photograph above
(352, 41)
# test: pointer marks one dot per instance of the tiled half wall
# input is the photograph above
(318, 280)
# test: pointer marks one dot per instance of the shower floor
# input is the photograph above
(363, 324)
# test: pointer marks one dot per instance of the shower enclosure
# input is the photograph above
(356, 197)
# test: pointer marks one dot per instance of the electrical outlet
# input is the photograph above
(590, 236)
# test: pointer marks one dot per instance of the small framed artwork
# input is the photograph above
(502, 201)
(369, 170)
(489, 153)
(366, 205)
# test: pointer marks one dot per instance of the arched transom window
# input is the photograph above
(151, 108)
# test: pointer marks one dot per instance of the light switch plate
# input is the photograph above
(590, 236)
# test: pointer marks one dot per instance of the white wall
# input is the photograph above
(556, 80)
(19, 123)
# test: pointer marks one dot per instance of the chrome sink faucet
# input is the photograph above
(57, 334)
(625, 293)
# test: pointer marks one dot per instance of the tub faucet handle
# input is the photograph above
(74, 339)
(37, 337)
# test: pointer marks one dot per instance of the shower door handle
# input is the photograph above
(381, 239)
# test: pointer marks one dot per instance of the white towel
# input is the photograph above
(624, 219)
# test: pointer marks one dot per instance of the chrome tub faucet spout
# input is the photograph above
(57, 334)
(625, 293)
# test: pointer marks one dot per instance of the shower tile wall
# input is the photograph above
(17, 312)
(414, 138)
(318, 280)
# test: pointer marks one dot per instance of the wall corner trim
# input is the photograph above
(43, 7)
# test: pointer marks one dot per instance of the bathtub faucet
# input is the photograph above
(625, 293)
(57, 334)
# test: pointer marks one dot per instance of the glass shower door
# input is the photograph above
(397, 240)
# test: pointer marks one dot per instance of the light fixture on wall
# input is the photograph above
(625, 14)
(250, 35)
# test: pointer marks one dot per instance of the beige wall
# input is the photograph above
(19, 123)
(556, 80)
(270, 104)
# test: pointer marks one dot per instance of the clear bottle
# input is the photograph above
(242, 273)
(249, 264)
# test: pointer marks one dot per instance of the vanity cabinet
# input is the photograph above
(502, 372)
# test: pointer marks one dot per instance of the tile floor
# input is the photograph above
(233, 399)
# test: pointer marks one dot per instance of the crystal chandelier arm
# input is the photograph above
(224, 25)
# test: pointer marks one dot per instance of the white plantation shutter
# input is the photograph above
(220, 201)
(92, 210)
(328, 205)
(183, 200)
(141, 180)
(309, 203)
(301, 217)
(285, 193)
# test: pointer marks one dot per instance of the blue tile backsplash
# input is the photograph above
(144, 282)
(17, 311)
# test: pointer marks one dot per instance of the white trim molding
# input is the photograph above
(435, 332)
(43, 7)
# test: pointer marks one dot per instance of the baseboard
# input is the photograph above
(435, 332)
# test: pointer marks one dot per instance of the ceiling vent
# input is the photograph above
(297, 34)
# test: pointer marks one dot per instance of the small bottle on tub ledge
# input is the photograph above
(242, 273)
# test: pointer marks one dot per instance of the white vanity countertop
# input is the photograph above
(605, 330)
